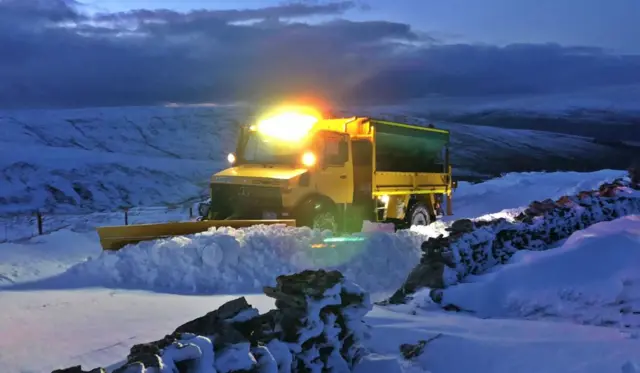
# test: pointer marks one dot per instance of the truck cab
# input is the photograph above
(323, 174)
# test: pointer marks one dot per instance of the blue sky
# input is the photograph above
(75, 53)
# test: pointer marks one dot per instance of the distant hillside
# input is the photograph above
(100, 159)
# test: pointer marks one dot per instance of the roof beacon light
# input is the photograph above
(288, 126)
(308, 159)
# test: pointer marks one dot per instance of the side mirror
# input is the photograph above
(203, 209)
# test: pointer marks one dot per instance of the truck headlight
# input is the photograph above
(231, 158)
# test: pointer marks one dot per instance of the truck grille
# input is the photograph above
(244, 201)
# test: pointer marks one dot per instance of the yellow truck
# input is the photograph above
(296, 168)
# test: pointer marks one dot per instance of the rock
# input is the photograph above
(461, 226)
(409, 351)
(209, 324)
(290, 288)
(78, 369)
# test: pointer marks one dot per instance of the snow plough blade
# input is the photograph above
(116, 237)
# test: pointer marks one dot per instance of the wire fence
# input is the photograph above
(20, 227)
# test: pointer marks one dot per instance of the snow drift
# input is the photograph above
(227, 260)
(592, 278)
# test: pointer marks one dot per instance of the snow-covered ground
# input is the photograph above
(60, 309)
(602, 287)
(66, 161)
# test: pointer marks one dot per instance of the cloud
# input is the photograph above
(55, 55)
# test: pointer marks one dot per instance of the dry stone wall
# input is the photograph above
(317, 325)
(473, 247)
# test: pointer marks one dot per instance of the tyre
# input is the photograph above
(419, 215)
(325, 220)
(318, 215)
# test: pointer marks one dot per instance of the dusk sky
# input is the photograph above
(58, 53)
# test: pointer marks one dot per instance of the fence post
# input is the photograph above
(39, 220)
(190, 212)
(126, 216)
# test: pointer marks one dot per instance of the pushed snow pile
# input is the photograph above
(226, 260)
(475, 247)
(592, 278)
(318, 325)
(512, 192)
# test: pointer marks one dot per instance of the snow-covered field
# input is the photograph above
(61, 309)
(86, 160)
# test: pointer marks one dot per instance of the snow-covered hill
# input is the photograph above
(102, 159)
(623, 99)
(607, 113)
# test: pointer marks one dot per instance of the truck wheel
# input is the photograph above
(317, 215)
(325, 220)
(419, 215)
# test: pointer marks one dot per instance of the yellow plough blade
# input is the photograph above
(116, 237)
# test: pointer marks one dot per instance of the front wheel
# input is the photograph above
(419, 215)
(325, 220)
(318, 216)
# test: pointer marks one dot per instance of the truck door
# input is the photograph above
(335, 171)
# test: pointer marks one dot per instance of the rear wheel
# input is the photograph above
(419, 215)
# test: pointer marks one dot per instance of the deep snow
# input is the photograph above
(56, 306)
(602, 287)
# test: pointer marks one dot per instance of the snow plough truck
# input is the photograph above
(299, 169)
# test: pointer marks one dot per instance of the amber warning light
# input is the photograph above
(287, 125)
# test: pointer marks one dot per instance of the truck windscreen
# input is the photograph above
(261, 149)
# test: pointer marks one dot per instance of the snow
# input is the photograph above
(45, 256)
(108, 157)
(46, 330)
(96, 327)
(506, 195)
(230, 261)
(60, 308)
(616, 98)
(226, 260)
(602, 287)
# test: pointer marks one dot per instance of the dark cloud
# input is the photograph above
(292, 10)
(52, 54)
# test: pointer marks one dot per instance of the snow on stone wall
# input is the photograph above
(318, 325)
(474, 247)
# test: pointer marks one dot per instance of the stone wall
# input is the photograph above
(318, 325)
(473, 247)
